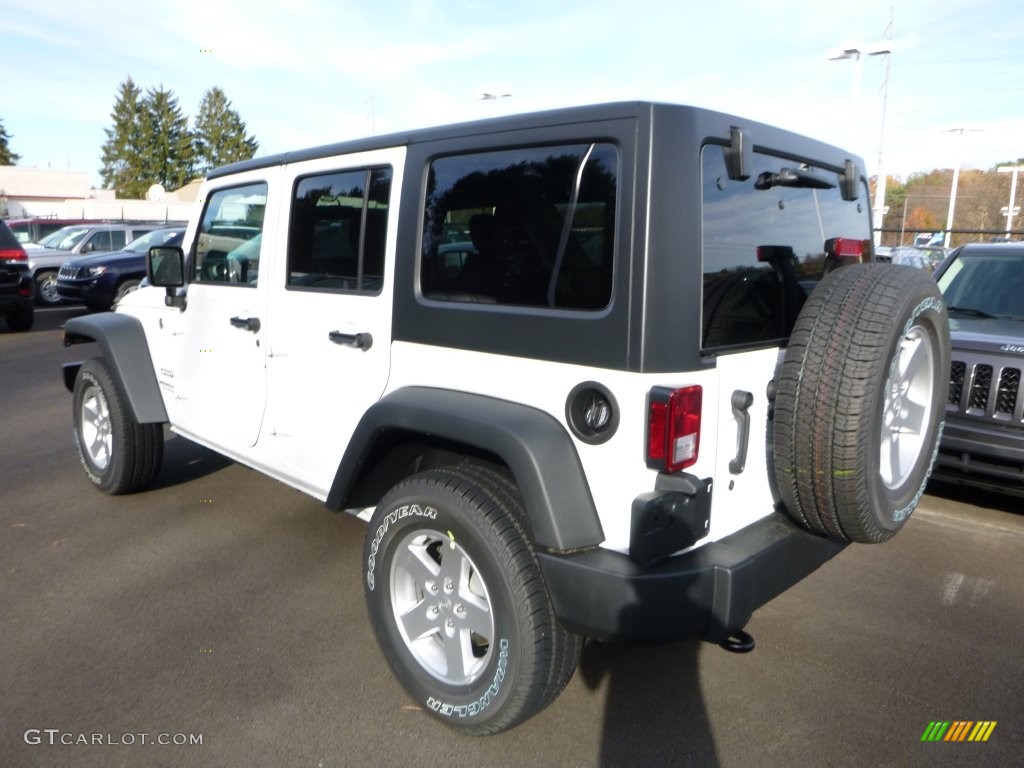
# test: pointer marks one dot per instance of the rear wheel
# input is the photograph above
(119, 455)
(458, 603)
(860, 403)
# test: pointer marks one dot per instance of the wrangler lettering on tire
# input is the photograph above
(855, 433)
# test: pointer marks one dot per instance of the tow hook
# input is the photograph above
(738, 642)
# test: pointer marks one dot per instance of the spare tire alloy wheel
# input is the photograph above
(458, 605)
(119, 455)
(861, 400)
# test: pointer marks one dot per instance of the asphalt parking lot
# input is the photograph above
(224, 607)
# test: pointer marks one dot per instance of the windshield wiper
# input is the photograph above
(791, 177)
(970, 311)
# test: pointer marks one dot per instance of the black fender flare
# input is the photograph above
(123, 344)
(535, 447)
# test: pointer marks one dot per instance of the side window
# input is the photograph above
(100, 241)
(766, 243)
(336, 237)
(117, 240)
(528, 227)
(227, 248)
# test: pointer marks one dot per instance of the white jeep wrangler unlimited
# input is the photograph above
(623, 371)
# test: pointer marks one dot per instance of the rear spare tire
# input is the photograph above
(860, 401)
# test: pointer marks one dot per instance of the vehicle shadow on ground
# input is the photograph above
(185, 461)
(978, 497)
(654, 708)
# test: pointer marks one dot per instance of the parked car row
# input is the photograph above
(46, 260)
(101, 280)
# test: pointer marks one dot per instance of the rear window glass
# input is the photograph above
(532, 227)
(766, 243)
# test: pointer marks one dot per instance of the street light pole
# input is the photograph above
(1013, 193)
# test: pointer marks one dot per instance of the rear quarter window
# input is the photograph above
(528, 227)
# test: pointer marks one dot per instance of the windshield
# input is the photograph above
(64, 239)
(985, 284)
(153, 239)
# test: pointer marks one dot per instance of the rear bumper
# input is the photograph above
(708, 593)
(16, 295)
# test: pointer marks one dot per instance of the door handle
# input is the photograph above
(361, 341)
(741, 401)
(248, 323)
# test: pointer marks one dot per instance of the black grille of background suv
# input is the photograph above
(985, 387)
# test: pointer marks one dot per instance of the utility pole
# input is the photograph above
(881, 183)
(855, 51)
(956, 180)
(1013, 193)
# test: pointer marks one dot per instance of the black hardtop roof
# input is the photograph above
(565, 115)
(496, 125)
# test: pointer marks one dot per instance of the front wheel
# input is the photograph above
(119, 455)
(46, 289)
(124, 289)
(458, 603)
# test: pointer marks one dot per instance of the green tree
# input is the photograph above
(123, 150)
(7, 157)
(220, 133)
(168, 157)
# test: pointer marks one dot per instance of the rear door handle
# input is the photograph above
(741, 401)
(361, 341)
(248, 323)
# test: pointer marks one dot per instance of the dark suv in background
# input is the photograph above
(983, 442)
(15, 282)
(100, 280)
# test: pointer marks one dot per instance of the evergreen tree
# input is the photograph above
(220, 133)
(6, 156)
(123, 149)
(168, 157)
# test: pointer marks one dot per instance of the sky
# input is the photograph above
(310, 72)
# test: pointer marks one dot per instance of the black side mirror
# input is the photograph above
(165, 266)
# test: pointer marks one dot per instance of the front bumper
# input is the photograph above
(708, 593)
(988, 455)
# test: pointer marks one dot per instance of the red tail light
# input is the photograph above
(13, 254)
(845, 248)
(673, 428)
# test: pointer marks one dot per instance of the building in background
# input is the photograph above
(45, 193)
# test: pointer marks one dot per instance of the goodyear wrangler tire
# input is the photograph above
(119, 455)
(860, 403)
(458, 604)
